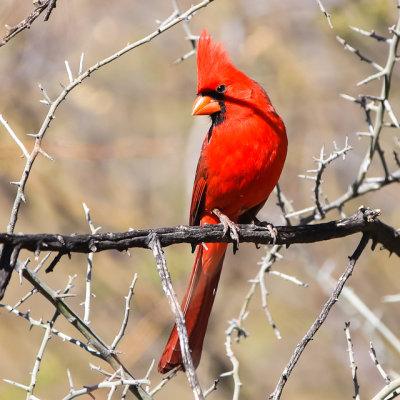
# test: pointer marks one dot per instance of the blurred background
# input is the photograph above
(125, 143)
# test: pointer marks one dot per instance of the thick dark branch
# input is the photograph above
(52, 6)
(364, 221)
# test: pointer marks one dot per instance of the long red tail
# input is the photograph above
(196, 305)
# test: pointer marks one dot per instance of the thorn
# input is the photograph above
(378, 75)
(41, 151)
(81, 64)
(68, 71)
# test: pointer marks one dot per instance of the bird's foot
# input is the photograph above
(273, 232)
(228, 225)
(271, 228)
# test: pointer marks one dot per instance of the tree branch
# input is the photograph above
(26, 23)
(365, 220)
(63, 308)
(276, 395)
(155, 246)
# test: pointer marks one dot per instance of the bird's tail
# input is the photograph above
(196, 305)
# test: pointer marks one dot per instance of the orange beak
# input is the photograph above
(205, 105)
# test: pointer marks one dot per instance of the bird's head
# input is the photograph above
(221, 86)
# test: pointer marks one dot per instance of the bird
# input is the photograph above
(241, 160)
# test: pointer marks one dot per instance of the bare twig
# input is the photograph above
(106, 385)
(77, 81)
(155, 246)
(164, 381)
(358, 53)
(391, 298)
(47, 335)
(19, 385)
(26, 297)
(283, 203)
(38, 360)
(322, 163)
(237, 384)
(371, 34)
(88, 295)
(188, 32)
(289, 278)
(374, 358)
(356, 303)
(74, 319)
(320, 319)
(392, 389)
(128, 299)
(327, 15)
(387, 72)
(14, 136)
(26, 23)
(51, 7)
(353, 365)
(380, 106)
(61, 335)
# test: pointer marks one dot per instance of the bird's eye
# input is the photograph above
(221, 89)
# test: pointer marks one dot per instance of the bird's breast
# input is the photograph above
(244, 161)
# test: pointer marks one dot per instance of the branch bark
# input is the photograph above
(365, 220)
(26, 23)
(154, 245)
(63, 308)
(276, 395)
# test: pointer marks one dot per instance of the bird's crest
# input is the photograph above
(213, 63)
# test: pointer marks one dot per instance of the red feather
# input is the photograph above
(240, 163)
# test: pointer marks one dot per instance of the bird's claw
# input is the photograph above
(273, 232)
(228, 225)
(271, 228)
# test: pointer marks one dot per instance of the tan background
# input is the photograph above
(125, 143)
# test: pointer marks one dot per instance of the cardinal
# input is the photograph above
(240, 163)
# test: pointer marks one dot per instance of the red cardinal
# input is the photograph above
(240, 163)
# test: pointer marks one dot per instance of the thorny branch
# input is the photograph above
(53, 105)
(128, 299)
(327, 15)
(322, 163)
(380, 105)
(40, 6)
(155, 245)
(7, 257)
(41, 324)
(380, 233)
(374, 358)
(88, 296)
(353, 364)
(365, 221)
(320, 319)
(63, 308)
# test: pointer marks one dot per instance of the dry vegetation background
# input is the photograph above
(125, 143)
